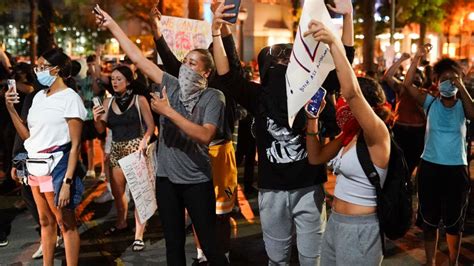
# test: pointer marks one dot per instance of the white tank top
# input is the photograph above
(352, 185)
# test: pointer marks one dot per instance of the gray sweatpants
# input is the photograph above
(352, 240)
(286, 212)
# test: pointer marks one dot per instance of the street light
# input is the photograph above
(242, 16)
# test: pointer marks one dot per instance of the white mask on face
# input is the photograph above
(45, 79)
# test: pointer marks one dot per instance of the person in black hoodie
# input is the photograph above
(291, 195)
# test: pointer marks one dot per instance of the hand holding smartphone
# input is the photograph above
(98, 103)
(12, 88)
(314, 104)
(234, 10)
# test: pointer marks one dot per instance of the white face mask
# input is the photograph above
(45, 79)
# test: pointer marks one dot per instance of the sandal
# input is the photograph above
(115, 231)
(138, 245)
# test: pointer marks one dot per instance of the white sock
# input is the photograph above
(200, 255)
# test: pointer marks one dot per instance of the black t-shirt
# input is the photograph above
(282, 156)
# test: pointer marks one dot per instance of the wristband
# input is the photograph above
(312, 133)
(67, 181)
(312, 118)
(217, 35)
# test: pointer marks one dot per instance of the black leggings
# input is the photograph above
(200, 201)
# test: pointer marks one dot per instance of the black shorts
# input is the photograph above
(443, 194)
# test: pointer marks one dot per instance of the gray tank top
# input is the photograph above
(352, 185)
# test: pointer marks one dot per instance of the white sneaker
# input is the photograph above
(39, 253)
(90, 173)
(106, 196)
(102, 177)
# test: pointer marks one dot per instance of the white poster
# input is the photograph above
(310, 61)
(183, 35)
(136, 168)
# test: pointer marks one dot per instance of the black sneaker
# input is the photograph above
(3, 240)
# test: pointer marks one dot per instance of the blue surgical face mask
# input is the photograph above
(44, 78)
(447, 89)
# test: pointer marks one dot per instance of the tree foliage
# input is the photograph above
(428, 12)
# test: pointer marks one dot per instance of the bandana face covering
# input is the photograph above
(346, 121)
(123, 101)
(447, 89)
(191, 86)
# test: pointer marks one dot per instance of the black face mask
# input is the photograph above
(275, 99)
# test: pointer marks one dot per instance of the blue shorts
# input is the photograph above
(77, 188)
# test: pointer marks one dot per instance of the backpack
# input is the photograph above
(394, 200)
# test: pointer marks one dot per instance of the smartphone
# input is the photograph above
(96, 101)
(234, 10)
(315, 103)
(11, 84)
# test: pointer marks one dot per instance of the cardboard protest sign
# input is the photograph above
(141, 182)
(310, 61)
(183, 35)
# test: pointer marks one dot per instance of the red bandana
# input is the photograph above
(346, 121)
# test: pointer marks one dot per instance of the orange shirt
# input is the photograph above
(409, 112)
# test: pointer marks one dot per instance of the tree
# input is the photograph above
(45, 28)
(423, 12)
(367, 9)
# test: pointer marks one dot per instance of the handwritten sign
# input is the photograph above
(310, 61)
(183, 35)
(141, 181)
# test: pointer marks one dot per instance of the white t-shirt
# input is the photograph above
(47, 119)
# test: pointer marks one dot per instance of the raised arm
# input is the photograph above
(170, 62)
(344, 7)
(375, 131)
(389, 76)
(417, 94)
(220, 56)
(131, 50)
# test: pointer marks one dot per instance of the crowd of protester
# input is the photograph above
(58, 118)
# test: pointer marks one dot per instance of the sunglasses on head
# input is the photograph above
(280, 51)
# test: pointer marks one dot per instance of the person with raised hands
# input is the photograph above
(443, 177)
(191, 113)
(352, 236)
(290, 195)
(221, 150)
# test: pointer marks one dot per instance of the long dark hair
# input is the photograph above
(57, 58)
(375, 96)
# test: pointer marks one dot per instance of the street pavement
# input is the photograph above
(246, 247)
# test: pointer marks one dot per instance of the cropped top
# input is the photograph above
(352, 185)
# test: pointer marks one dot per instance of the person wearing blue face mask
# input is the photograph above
(443, 178)
(52, 134)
